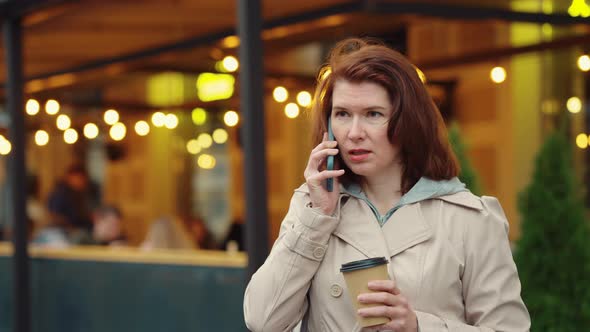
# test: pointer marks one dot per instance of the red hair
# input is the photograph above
(415, 125)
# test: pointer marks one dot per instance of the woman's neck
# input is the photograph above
(384, 192)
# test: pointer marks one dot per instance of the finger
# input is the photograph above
(325, 145)
(384, 311)
(392, 325)
(384, 285)
(317, 158)
(323, 175)
(379, 298)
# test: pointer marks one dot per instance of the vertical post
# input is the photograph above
(252, 109)
(16, 172)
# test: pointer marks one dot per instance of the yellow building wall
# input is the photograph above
(499, 122)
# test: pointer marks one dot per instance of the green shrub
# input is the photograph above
(553, 252)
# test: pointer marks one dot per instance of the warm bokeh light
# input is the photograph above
(280, 94)
(579, 8)
(211, 87)
(582, 141)
(304, 98)
(63, 122)
(291, 110)
(206, 161)
(41, 137)
(498, 74)
(193, 146)
(158, 119)
(5, 146)
(205, 140)
(111, 117)
(51, 107)
(547, 30)
(90, 130)
(118, 131)
(230, 42)
(32, 107)
(574, 105)
(230, 63)
(421, 75)
(220, 136)
(231, 118)
(142, 128)
(70, 136)
(199, 116)
(171, 121)
(584, 62)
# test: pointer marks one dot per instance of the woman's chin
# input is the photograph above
(360, 171)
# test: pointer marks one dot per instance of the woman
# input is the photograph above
(451, 268)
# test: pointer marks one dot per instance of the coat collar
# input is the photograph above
(359, 228)
(406, 228)
(464, 199)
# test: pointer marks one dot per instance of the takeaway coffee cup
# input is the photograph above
(357, 275)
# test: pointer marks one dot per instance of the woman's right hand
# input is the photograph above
(316, 175)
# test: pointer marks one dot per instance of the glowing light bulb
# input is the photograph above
(52, 107)
(574, 105)
(90, 130)
(304, 98)
(70, 136)
(220, 135)
(32, 107)
(498, 74)
(142, 128)
(118, 131)
(280, 94)
(231, 118)
(230, 63)
(41, 137)
(63, 122)
(291, 110)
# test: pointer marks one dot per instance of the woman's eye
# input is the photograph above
(374, 114)
(340, 114)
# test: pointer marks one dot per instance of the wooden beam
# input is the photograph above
(504, 52)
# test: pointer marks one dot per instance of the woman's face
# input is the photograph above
(360, 117)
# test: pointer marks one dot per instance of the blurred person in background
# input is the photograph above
(70, 204)
(167, 233)
(108, 226)
(36, 210)
(200, 234)
(234, 238)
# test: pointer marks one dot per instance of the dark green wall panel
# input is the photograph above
(114, 296)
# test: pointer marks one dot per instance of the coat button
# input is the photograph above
(336, 290)
(318, 252)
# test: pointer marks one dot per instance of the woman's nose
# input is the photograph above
(356, 130)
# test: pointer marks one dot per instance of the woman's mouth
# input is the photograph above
(358, 155)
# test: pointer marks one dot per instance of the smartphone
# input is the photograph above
(330, 159)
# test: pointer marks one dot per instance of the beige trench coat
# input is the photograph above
(449, 256)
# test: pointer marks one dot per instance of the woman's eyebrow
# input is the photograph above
(368, 108)
(371, 108)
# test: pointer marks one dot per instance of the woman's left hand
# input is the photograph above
(390, 303)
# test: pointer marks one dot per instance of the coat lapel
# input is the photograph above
(406, 228)
(359, 228)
